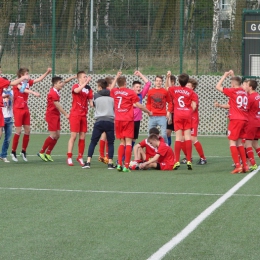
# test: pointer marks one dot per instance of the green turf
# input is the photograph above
(53, 211)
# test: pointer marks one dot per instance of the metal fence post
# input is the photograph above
(181, 33)
(53, 36)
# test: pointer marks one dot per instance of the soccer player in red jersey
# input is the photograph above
(192, 84)
(184, 102)
(238, 115)
(124, 99)
(252, 129)
(164, 157)
(157, 99)
(52, 117)
(139, 154)
(82, 95)
(21, 110)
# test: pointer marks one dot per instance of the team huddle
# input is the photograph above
(118, 114)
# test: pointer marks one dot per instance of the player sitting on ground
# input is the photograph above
(52, 117)
(164, 157)
(238, 116)
(82, 95)
(21, 111)
(104, 116)
(143, 151)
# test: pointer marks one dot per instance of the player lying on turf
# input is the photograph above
(164, 157)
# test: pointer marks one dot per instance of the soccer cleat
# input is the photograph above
(238, 169)
(176, 166)
(103, 159)
(4, 159)
(202, 161)
(42, 156)
(245, 169)
(126, 169)
(48, 157)
(23, 155)
(189, 165)
(80, 160)
(184, 161)
(252, 168)
(69, 162)
(119, 168)
(86, 165)
(13, 156)
(111, 166)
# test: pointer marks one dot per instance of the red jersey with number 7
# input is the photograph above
(124, 99)
(182, 98)
(238, 103)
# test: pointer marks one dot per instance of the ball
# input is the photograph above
(134, 165)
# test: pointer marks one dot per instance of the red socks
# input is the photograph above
(242, 152)
(183, 148)
(234, 154)
(177, 150)
(121, 151)
(102, 148)
(47, 142)
(128, 154)
(15, 142)
(81, 148)
(250, 154)
(51, 146)
(199, 149)
(188, 144)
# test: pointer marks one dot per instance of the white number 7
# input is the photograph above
(120, 101)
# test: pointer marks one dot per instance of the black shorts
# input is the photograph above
(171, 126)
(136, 129)
(158, 167)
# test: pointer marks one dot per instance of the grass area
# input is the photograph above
(52, 211)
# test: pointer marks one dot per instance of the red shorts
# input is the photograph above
(124, 129)
(78, 124)
(251, 132)
(236, 129)
(182, 124)
(166, 166)
(257, 135)
(21, 117)
(194, 128)
(2, 120)
(53, 123)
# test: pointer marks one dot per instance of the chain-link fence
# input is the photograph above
(198, 37)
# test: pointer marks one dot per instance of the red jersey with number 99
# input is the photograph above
(124, 99)
(238, 103)
(182, 97)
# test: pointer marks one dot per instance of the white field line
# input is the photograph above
(166, 248)
(128, 192)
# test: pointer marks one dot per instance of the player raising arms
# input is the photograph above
(124, 99)
(238, 116)
(183, 99)
(52, 117)
(82, 95)
(21, 110)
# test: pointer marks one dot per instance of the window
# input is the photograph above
(225, 4)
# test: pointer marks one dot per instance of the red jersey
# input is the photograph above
(156, 101)
(254, 109)
(4, 83)
(124, 99)
(150, 151)
(195, 113)
(52, 96)
(80, 100)
(181, 97)
(20, 99)
(166, 154)
(238, 103)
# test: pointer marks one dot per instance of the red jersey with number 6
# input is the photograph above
(181, 97)
(124, 99)
(238, 103)
(254, 109)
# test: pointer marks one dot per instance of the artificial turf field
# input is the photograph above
(53, 211)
